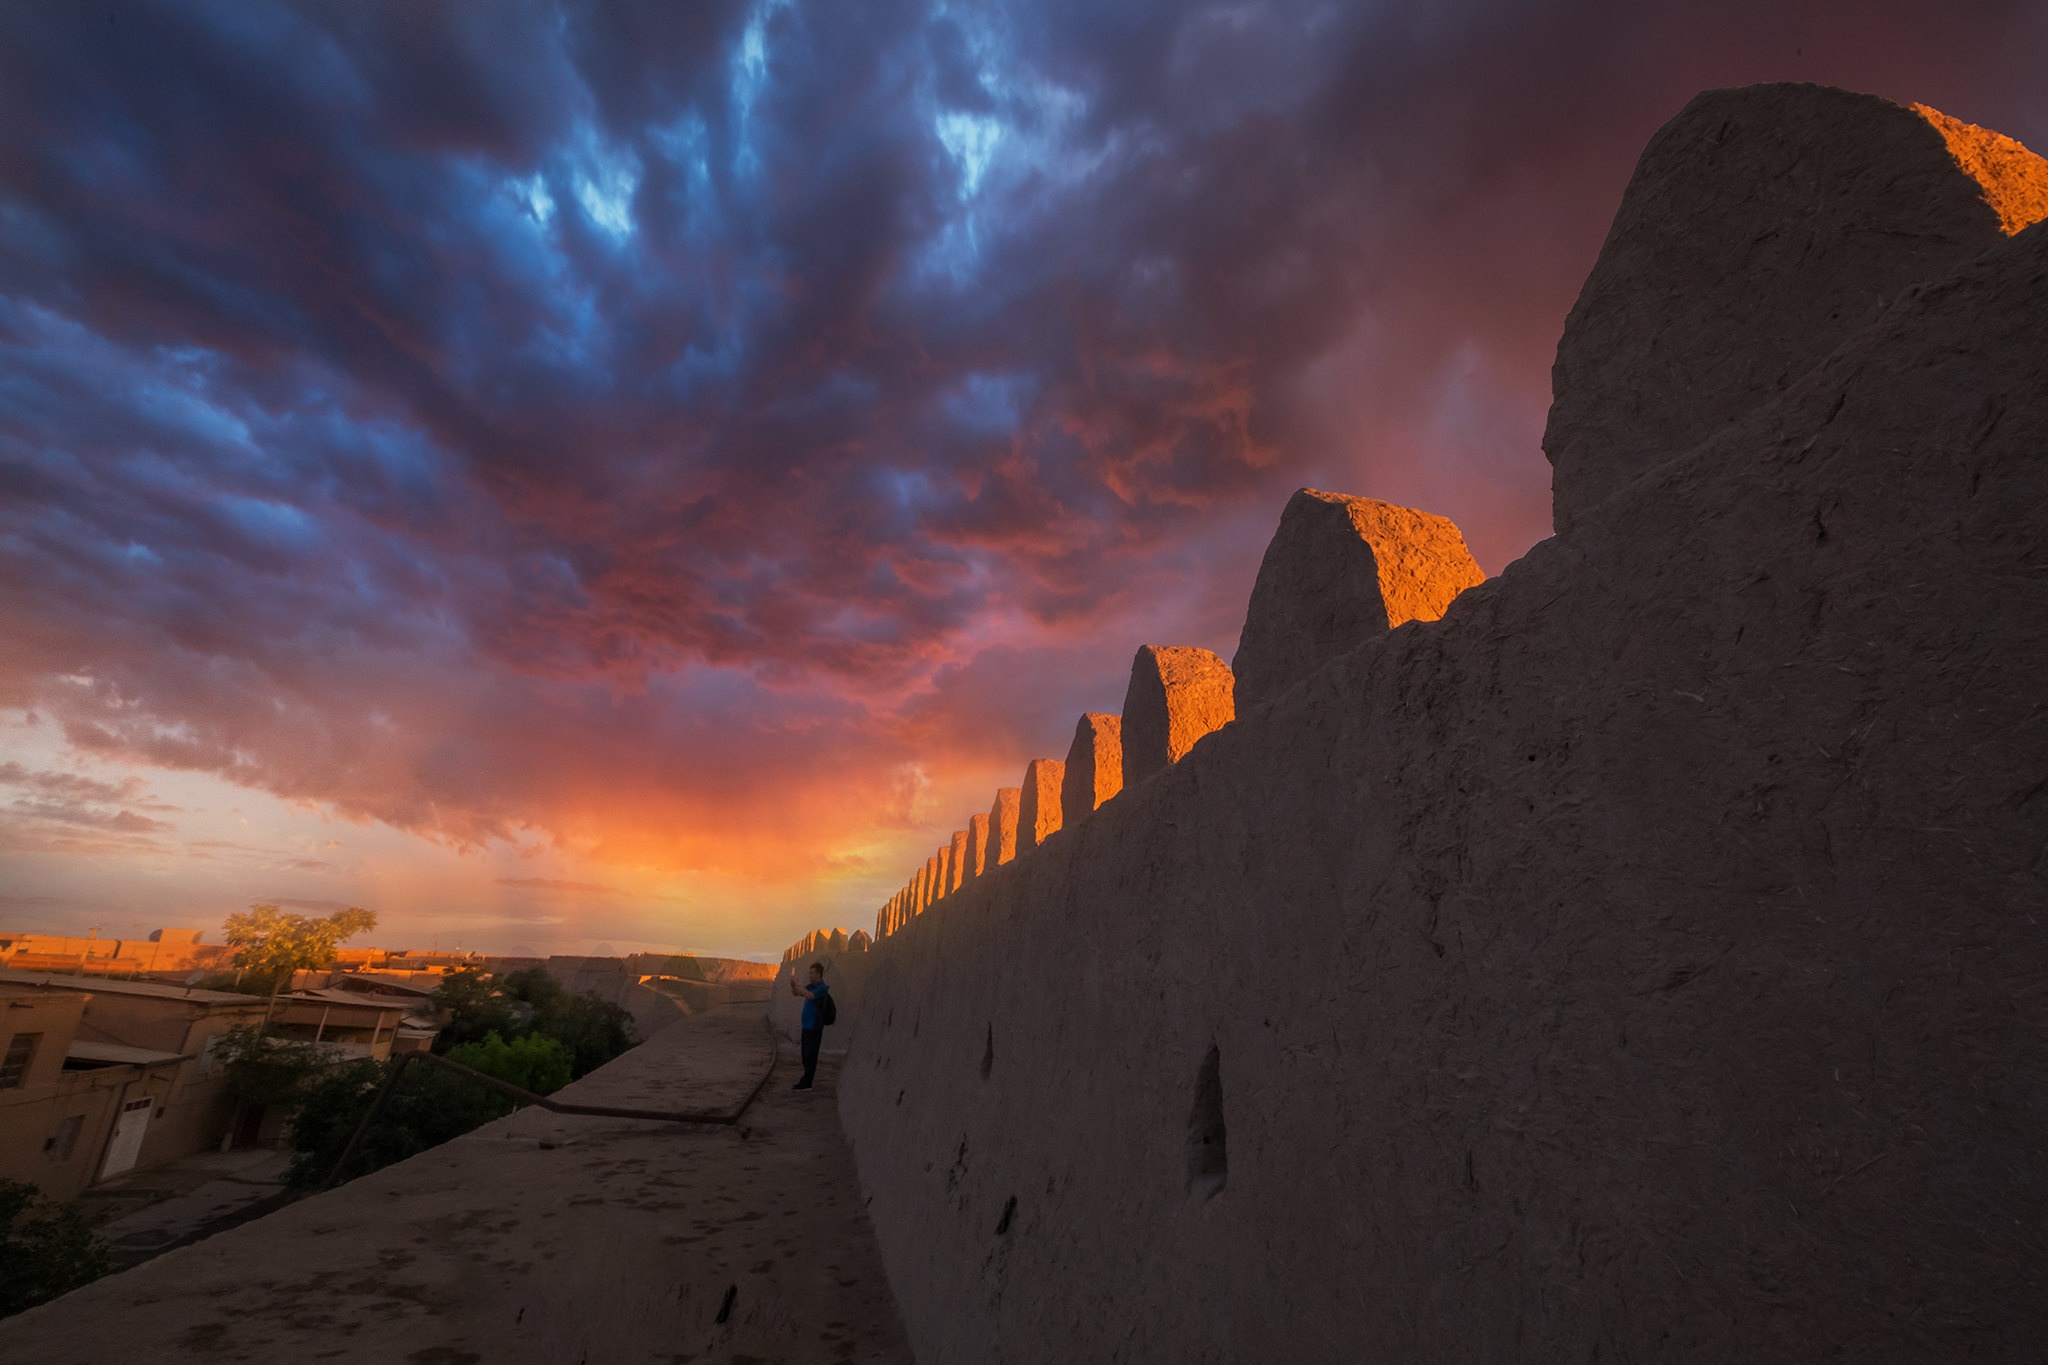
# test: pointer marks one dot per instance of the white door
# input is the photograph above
(126, 1145)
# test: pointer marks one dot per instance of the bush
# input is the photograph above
(429, 1107)
(593, 1030)
(524, 1028)
(531, 1063)
(274, 1072)
(530, 1001)
(476, 1009)
(45, 1249)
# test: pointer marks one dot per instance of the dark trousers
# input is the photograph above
(812, 1037)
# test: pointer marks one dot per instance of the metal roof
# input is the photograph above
(162, 990)
(328, 995)
(119, 1052)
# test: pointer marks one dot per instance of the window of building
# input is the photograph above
(14, 1066)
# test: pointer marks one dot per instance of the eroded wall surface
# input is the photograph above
(1642, 962)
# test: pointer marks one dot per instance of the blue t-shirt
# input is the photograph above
(818, 990)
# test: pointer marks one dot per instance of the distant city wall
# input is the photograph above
(1641, 962)
(657, 989)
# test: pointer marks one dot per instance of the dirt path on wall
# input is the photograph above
(541, 1238)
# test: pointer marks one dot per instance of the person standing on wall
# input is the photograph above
(818, 1012)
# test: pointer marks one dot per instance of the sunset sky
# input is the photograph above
(643, 474)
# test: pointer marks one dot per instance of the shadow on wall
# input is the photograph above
(1683, 884)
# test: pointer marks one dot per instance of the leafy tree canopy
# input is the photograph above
(525, 1028)
(532, 1063)
(530, 1001)
(475, 1009)
(270, 944)
(593, 1029)
(270, 1071)
(427, 1108)
(45, 1249)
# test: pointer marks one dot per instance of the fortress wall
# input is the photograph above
(1038, 805)
(693, 967)
(978, 860)
(1764, 227)
(652, 1011)
(1643, 961)
(1176, 695)
(1341, 570)
(606, 977)
(702, 983)
(1002, 827)
(1094, 769)
(848, 973)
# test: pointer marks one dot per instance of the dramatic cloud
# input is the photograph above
(724, 437)
(68, 814)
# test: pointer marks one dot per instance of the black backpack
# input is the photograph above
(828, 1013)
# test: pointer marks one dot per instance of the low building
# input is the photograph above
(349, 1024)
(119, 1021)
(163, 952)
(419, 992)
(75, 1110)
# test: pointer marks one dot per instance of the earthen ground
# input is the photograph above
(541, 1238)
(145, 1214)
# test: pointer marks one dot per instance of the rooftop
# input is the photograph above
(98, 985)
(119, 1054)
(388, 981)
(359, 999)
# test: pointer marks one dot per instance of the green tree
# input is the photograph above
(532, 986)
(428, 1107)
(530, 1001)
(45, 1249)
(270, 944)
(523, 1028)
(532, 1063)
(476, 1008)
(270, 1071)
(591, 1027)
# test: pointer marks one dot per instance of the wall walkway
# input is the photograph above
(540, 1238)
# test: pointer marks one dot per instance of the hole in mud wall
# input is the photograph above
(988, 1053)
(1208, 1158)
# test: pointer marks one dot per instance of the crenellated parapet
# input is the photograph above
(1038, 811)
(831, 942)
(1177, 694)
(1340, 573)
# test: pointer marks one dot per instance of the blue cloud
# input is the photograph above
(567, 351)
